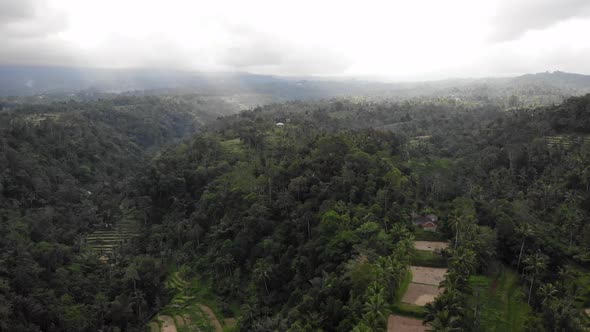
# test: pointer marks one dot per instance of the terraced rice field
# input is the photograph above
(428, 275)
(106, 241)
(186, 313)
(422, 290)
(232, 147)
(420, 294)
(397, 323)
(565, 141)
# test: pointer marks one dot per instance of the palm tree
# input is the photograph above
(375, 308)
(463, 260)
(548, 291)
(132, 275)
(453, 282)
(535, 264)
(262, 271)
(457, 222)
(390, 273)
(444, 322)
(525, 230)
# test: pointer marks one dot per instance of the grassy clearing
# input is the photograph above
(502, 301)
(409, 310)
(427, 258)
(233, 147)
(403, 287)
(422, 235)
(191, 303)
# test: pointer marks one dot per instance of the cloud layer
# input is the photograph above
(420, 39)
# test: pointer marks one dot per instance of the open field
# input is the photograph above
(397, 323)
(430, 246)
(422, 235)
(427, 275)
(420, 294)
(502, 300)
(427, 259)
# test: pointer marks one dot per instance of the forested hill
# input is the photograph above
(293, 216)
(66, 170)
(307, 226)
(252, 89)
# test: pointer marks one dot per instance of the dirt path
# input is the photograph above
(428, 275)
(168, 324)
(430, 246)
(404, 324)
(214, 321)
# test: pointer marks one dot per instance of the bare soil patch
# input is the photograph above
(430, 246)
(214, 321)
(180, 322)
(420, 294)
(404, 324)
(168, 324)
(427, 275)
(587, 311)
(154, 327)
(231, 322)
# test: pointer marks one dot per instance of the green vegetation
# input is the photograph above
(303, 227)
(501, 300)
(427, 258)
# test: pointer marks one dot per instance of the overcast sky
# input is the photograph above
(398, 40)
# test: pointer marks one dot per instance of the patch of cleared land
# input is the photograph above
(214, 321)
(430, 246)
(154, 327)
(587, 311)
(404, 324)
(420, 294)
(167, 324)
(427, 275)
(231, 322)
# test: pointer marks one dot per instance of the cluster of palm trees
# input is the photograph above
(391, 271)
(450, 310)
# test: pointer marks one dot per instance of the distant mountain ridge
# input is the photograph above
(32, 80)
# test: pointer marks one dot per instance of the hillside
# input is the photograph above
(136, 211)
(252, 90)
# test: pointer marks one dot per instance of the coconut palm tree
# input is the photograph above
(548, 291)
(262, 272)
(463, 260)
(444, 321)
(535, 264)
(375, 309)
(525, 230)
(457, 222)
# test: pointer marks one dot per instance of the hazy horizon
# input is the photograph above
(405, 41)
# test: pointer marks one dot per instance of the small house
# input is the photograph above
(428, 222)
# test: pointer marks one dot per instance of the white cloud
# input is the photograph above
(423, 39)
